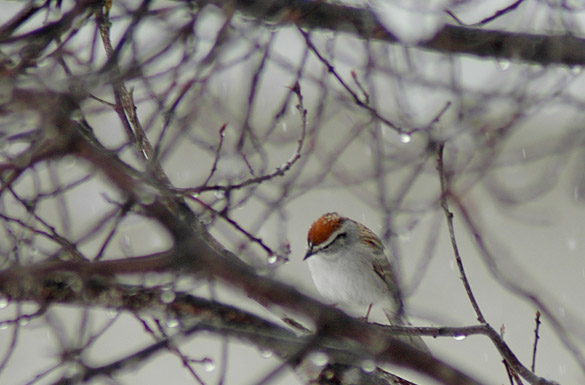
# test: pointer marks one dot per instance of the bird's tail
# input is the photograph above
(399, 319)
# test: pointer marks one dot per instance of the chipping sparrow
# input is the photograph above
(348, 265)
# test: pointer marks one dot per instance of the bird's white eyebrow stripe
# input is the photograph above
(333, 238)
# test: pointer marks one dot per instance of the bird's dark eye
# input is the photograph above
(339, 236)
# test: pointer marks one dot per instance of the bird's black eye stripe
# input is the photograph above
(339, 236)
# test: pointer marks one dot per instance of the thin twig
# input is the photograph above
(497, 14)
(11, 347)
(449, 217)
(515, 288)
(331, 69)
(222, 214)
(125, 106)
(217, 153)
(508, 372)
(360, 86)
(281, 170)
(536, 338)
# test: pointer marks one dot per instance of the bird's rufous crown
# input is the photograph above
(323, 227)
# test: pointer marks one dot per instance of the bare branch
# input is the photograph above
(445, 192)
(540, 49)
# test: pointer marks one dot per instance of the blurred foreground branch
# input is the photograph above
(320, 15)
(192, 252)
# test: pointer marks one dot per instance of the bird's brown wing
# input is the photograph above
(384, 270)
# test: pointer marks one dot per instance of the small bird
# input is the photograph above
(349, 266)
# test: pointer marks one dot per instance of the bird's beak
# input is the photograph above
(309, 253)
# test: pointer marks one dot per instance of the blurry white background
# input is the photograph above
(514, 140)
